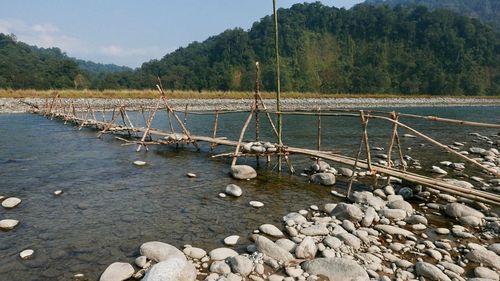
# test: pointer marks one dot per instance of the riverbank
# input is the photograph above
(18, 105)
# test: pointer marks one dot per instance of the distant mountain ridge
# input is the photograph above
(488, 11)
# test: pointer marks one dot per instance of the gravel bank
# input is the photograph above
(12, 105)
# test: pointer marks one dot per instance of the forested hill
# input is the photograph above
(487, 11)
(23, 66)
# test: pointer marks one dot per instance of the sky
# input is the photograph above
(130, 32)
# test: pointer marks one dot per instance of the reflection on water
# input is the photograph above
(110, 207)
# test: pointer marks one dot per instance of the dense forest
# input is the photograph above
(488, 11)
(366, 49)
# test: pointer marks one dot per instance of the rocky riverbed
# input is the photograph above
(391, 232)
(12, 105)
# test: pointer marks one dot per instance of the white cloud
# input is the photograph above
(45, 28)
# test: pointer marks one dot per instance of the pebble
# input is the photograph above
(58, 192)
(191, 175)
(256, 204)
(222, 195)
(139, 163)
(442, 231)
(26, 254)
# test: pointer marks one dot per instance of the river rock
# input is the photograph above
(453, 267)
(256, 204)
(58, 192)
(332, 242)
(220, 254)
(367, 198)
(406, 192)
(393, 230)
(486, 257)
(194, 253)
(326, 179)
(350, 240)
(393, 214)
(442, 231)
(159, 251)
(191, 175)
(117, 271)
(430, 271)
(345, 211)
(336, 269)
(139, 163)
(483, 272)
(271, 230)
(231, 240)
(234, 190)
(26, 254)
(241, 265)
(346, 172)
(437, 170)
(401, 204)
(460, 183)
(320, 166)
(171, 270)
(317, 229)
(370, 216)
(307, 249)
(416, 219)
(457, 210)
(495, 248)
(141, 261)
(243, 172)
(286, 244)
(470, 221)
(270, 249)
(11, 202)
(296, 217)
(220, 267)
(8, 224)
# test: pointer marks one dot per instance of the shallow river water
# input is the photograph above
(110, 207)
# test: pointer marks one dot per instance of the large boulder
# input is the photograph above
(243, 172)
(345, 211)
(159, 251)
(117, 271)
(336, 269)
(270, 249)
(457, 210)
(326, 179)
(174, 269)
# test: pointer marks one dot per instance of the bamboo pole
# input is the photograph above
(319, 133)
(242, 134)
(391, 142)
(186, 114)
(256, 102)
(216, 121)
(278, 82)
(354, 167)
(364, 122)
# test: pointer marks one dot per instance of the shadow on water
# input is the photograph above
(110, 207)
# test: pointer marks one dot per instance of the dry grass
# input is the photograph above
(149, 94)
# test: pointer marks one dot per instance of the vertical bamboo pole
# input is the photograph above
(278, 83)
(364, 122)
(319, 132)
(391, 143)
(216, 122)
(256, 96)
(242, 134)
(186, 114)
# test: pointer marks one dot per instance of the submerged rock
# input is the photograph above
(243, 172)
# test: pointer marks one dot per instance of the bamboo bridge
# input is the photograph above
(120, 124)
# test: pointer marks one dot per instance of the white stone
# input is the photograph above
(220, 254)
(222, 195)
(191, 175)
(271, 230)
(194, 253)
(171, 270)
(234, 190)
(58, 192)
(336, 269)
(26, 254)
(117, 271)
(307, 249)
(243, 172)
(159, 251)
(231, 240)
(11, 202)
(139, 163)
(256, 204)
(437, 170)
(8, 224)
